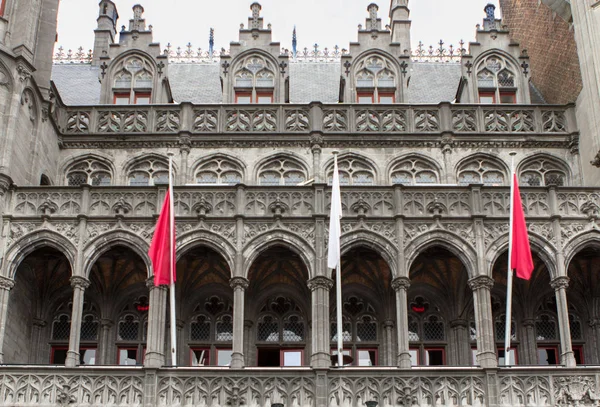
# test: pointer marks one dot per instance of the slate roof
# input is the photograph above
(77, 84)
(195, 83)
(314, 82)
(433, 82)
(201, 84)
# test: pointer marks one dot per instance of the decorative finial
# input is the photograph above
(211, 41)
(294, 42)
(490, 12)
(255, 7)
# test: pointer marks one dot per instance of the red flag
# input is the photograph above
(520, 259)
(161, 246)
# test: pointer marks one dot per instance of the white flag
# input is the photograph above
(335, 229)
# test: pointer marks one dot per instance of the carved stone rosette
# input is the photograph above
(6, 283)
(320, 282)
(401, 283)
(561, 282)
(481, 282)
(239, 282)
(80, 282)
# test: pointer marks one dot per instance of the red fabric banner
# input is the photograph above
(160, 248)
(521, 260)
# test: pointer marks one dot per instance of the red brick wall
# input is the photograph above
(551, 46)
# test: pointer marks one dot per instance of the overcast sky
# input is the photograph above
(326, 22)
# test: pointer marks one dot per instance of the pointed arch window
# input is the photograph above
(254, 80)
(282, 171)
(481, 170)
(426, 333)
(148, 172)
(543, 171)
(360, 331)
(61, 329)
(211, 332)
(375, 80)
(414, 171)
(219, 170)
(353, 171)
(89, 171)
(496, 80)
(133, 82)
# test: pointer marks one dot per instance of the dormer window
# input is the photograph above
(496, 81)
(254, 81)
(133, 83)
(375, 81)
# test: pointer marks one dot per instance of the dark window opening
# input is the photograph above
(268, 357)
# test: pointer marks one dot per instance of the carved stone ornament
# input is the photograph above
(576, 390)
(401, 283)
(239, 282)
(320, 282)
(561, 282)
(80, 282)
(6, 283)
(480, 282)
(24, 72)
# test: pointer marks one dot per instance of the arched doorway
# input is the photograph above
(39, 310)
(119, 293)
(368, 309)
(205, 308)
(277, 310)
(441, 323)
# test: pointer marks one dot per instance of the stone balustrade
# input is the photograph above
(293, 120)
(48, 386)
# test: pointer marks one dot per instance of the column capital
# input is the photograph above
(6, 283)
(239, 282)
(401, 283)
(388, 323)
(248, 323)
(106, 323)
(459, 323)
(479, 282)
(39, 322)
(528, 323)
(320, 282)
(80, 282)
(561, 282)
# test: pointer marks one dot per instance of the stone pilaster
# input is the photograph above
(595, 325)
(461, 343)
(37, 329)
(6, 284)
(560, 285)
(388, 327)
(79, 285)
(400, 285)
(482, 301)
(239, 285)
(157, 323)
(320, 287)
(528, 344)
(104, 345)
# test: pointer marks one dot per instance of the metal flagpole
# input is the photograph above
(172, 266)
(509, 279)
(338, 285)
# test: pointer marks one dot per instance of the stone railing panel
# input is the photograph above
(36, 202)
(215, 202)
(132, 202)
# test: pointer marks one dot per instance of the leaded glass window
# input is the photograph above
(280, 321)
(414, 170)
(89, 328)
(543, 171)
(353, 171)
(219, 170)
(89, 171)
(433, 329)
(150, 171)
(224, 328)
(200, 329)
(282, 171)
(481, 170)
(61, 327)
(128, 328)
(545, 327)
(500, 324)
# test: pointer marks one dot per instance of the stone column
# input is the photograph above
(320, 287)
(595, 325)
(184, 149)
(104, 345)
(37, 329)
(484, 321)
(461, 342)
(157, 324)
(316, 139)
(400, 285)
(79, 285)
(388, 326)
(239, 285)
(6, 284)
(529, 343)
(247, 342)
(560, 285)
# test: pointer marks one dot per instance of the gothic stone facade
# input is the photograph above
(424, 144)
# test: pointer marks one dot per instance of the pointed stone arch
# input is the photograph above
(103, 243)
